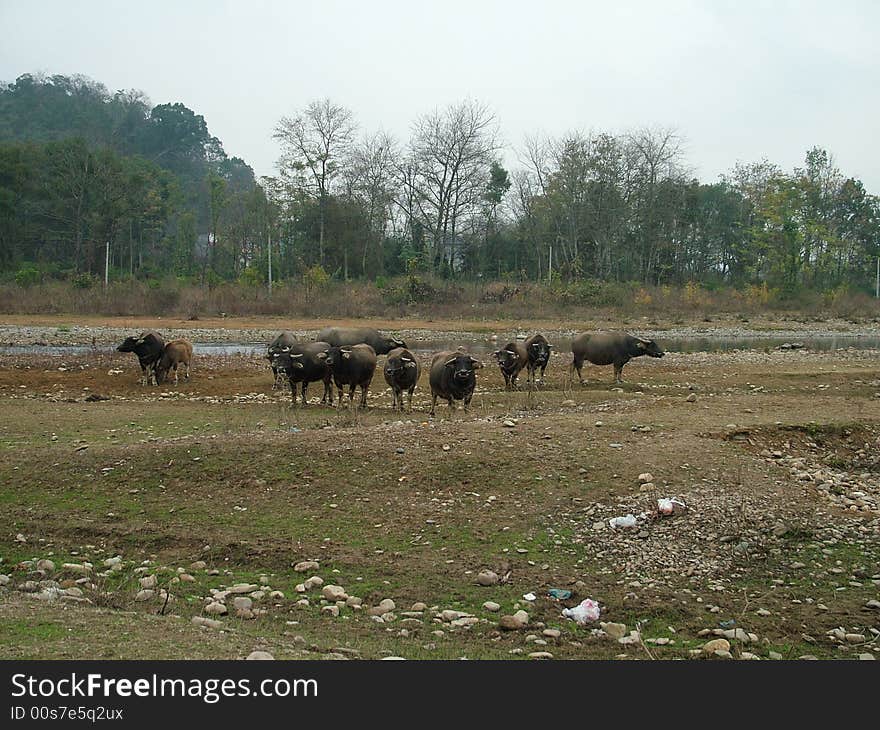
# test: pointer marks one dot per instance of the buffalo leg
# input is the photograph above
(364, 396)
(305, 386)
(410, 399)
(433, 402)
(467, 401)
(577, 365)
(351, 389)
(618, 369)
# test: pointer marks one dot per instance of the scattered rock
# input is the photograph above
(614, 630)
(334, 593)
(207, 622)
(306, 565)
(487, 578)
(492, 606)
(710, 647)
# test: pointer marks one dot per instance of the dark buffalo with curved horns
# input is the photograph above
(282, 343)
(347, 336)
(148, 346)
(538, 351)
(402, 371)
(512, 358)
(453, 377)
(305, 363)
(610, 348)
(352, 366)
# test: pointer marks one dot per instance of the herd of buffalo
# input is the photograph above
(348, 356)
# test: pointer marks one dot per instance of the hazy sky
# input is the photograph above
(740, 80)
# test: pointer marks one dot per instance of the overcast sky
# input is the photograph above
(740, 80)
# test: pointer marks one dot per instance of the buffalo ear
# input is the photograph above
(641, 344)
(346, 355)
(476, 363)
(321, 355)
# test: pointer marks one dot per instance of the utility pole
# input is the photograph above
(550, 267)
(107, 266)
(269, 247)
(877, 282)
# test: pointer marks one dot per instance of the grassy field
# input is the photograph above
(400, 506)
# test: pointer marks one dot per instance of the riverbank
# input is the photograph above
(61, 330)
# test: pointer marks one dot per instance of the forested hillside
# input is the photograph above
(81, 166)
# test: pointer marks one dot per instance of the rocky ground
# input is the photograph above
(56, 330)
(212, 519)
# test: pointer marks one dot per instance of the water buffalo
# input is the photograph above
(610, 348)
(148, 346)
(176, 352)
(282, 343)
(512, 358)
(402, 372)
(345, 336)
(538, 350)
(305, 363)
(453, 377)
(352, 366)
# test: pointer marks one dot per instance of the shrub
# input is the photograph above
(84, 281)
(28, 276)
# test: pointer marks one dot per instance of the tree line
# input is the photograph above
(80, 166)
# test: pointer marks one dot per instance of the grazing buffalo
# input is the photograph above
(538, 350)
(305, 363)
(352, 366)
(453, 377)
(512, 358)
(610, 348)
(345, 336)
(282, 343)
(402, 372)
(177, 352)
(148, 347)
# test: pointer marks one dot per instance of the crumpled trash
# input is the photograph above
(626, 521)
(671, 506)
(586, 611)
(530, 597)
(559, 593)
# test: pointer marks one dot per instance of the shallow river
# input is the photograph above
(485, 346)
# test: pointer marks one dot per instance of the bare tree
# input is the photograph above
(315, 144)
(370, 181)
(452, 152)
(657, 157)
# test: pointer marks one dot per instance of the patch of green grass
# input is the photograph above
(25, 632)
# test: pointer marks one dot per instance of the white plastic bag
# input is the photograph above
(670, 506)
(627, 521)
(586, 611)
